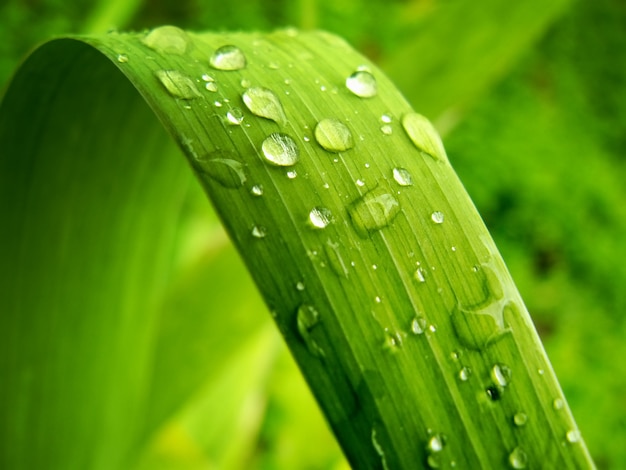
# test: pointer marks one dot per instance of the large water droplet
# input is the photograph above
(362, 83)
(479, 327)
(228, 57)
(423, 135)
(223, 167)
(333, 135)
(178, 84)
(518, 458)
(320, 217)
(402, 177)
(335, 258)
(167, 40)
(373, 211)
(501, 374)
(264, 103)
(307, 319)
(280, 150)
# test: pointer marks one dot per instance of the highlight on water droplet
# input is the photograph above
(373, 211)
(494, 393)
(300, 286)
(280, 150)
(362, 83)
(234, 116)
(333, 135)
(437, 217)
(264, 103)
(418, 325)
(258, 231)
(436, 443)
(307, 318)
(518, 458)
(573, 436)
(178, 84)
(501, 374)
(402, 176)
(420, 275)
(291, 174)
(479, 326)
(122, 58)
(520, 419)
(167, 40)
(465, 373)
(320, 217)
(423, 135)
(222, 166)
(257, 190)
(228, 58)
(211, 86)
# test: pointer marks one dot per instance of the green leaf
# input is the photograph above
(372, 259)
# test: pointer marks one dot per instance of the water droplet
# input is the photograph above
(520, 419)
(478, 327)
(501, 374)
(464, 373)
(122, 58)
(217, 104)
(493, 392)
(373, 211)
(307, 319)
(320, 217)
(402, 177)
(437, 217)
(333, 135)
(418, 325)
(259, 231)
(167, 40)
(362, 83)
(386, 118)
(386, 129)
(436, 443)
(423, 135)
(245, 83)
(300, 286)
(257, 190)
(573, 436)
(228, 57)
(211, 86)
(223, 167)
(335, 258)
(178, 84)
(433, 461)
(420, 275)
(234, 116)
(264, 103)
(518, 458)
(291, 174)
(558, 404)
(360, 183)
(280, 150)
(207, 78)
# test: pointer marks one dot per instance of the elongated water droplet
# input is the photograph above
(418, 325)
(420, 275)
(280, 150)
(228, 57)
(307, 319)
(333, 135)
(518, 458)
(335, 258)
(122, 58)
(264, 103)
(520, 419)
(362, 83)
(402, 177)
(423, 135)
(437, 217)
(379, 450)
(320, 217)
(178, 84)
(501, 374)
(167, 40)
(373, 211)
(234, 116)
(259, 231)
(223, 167)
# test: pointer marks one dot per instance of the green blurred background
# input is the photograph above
(531, 100)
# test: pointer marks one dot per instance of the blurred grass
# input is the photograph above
(539, 145)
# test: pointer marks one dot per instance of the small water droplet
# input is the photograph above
(207, 78)
(257, 190)
(402, 177)
(211, 86)
(520, 419)
(420, 275)
(178, 84)
(264, 103)
(423, 135)
(333, 135)
(259, 231)
(245, 83)
(436, 443)
(493, 392)
(573, 436)
(223, 167)
(360, 183)
(518, 458)
(300, 286)
(320, 217)
(228, 57)
(558, 404)
(234, 116)
(386, 118)
(373, 211)
(292, 174)
(464, 373)
(501, 374)
(437, 217)
(122, 58)
(362, 83)
(307, 319)
(280, 150)
(167, 40)
(386, 129)
(418, 325)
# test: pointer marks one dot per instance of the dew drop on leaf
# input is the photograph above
(402, 177)
(518, 458)
(258, 231)
(494, 393)
(501, 374)
(558, 404)
(264, 103)
(437, 217)
(333, 135)
(520, 419)
(320, 217)
(307, 319)
(292, 174)
(373, 211)
(464, 374)
(228, 57)
(423, 135)
(386, 129)
(223, 167)
(234, 116)
(420, 275)
(418, 325)
(257, 190)
(362, 83)
(167, 40)
(280, 150)
(573, 436)
(211, 86)
(122, 58)
(436, 443)
(178, 84)
(478, 327)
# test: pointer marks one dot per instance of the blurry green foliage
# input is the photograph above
(537, 132)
